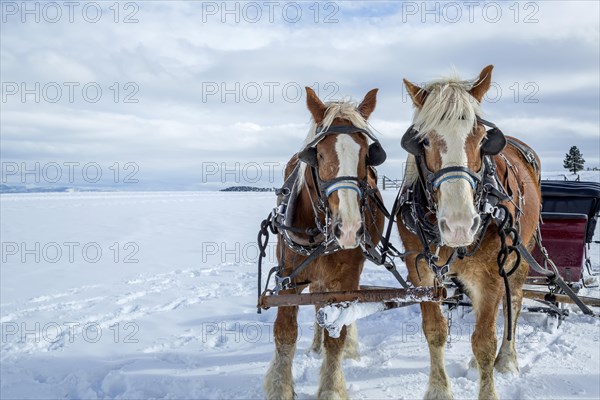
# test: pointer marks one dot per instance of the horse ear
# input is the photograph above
(483, 83)
(368, 104)
(315, 105)
(417, 93)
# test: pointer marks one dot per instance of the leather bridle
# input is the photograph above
(325, 188)
(492, 145)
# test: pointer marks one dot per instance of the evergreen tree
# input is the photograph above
(574, 160)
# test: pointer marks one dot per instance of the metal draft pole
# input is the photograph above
(367, 295)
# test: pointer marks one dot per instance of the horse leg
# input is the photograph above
(435, 327)
(506, 361)
(317, 343)
(278, 382)
(351, 345)
(333, 384)
(483, 340)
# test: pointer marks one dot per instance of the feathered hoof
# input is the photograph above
(277, 387)
(351, 346)
(351, 353)
(506, 365)
(438, 393)
(331, 395)
(488, 396)
(314, 351)
(473, 365)
(278, 393)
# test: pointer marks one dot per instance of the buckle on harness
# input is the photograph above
(441, 272)
(495, 212)
(282, 283)
(284, 191)
(530, 157)
(489, 209)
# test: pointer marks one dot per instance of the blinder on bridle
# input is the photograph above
(493, 144)
(375, 156)
(494, 141)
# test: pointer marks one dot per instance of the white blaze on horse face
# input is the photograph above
(349, 216)
(457, 218)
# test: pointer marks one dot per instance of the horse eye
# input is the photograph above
(320, 156)
(426, 142)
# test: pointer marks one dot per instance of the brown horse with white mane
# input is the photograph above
(334, 184)
(460, 181)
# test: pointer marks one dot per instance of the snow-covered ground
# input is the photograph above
(152, 295)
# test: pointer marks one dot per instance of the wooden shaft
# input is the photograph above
(560, 298)
(411, 295)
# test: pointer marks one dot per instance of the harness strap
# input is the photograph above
(343, 183)
(444, 174)
(371, 195)
(340, 129)
(527, 153)
(285, 191)
(446, 177)
(388, 233)
(263, 241)
(285, 282)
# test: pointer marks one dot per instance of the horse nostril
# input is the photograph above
(476, 222)
(337, 229)
(444, 225)
(361, 230)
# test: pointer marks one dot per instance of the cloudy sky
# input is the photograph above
(196, 95)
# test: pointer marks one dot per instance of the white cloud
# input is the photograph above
(171, 54)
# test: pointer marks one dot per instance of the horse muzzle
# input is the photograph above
(459, 231)
(348, 235)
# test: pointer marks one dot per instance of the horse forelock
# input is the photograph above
(449, 111)
(448, 107)
(343, 109)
